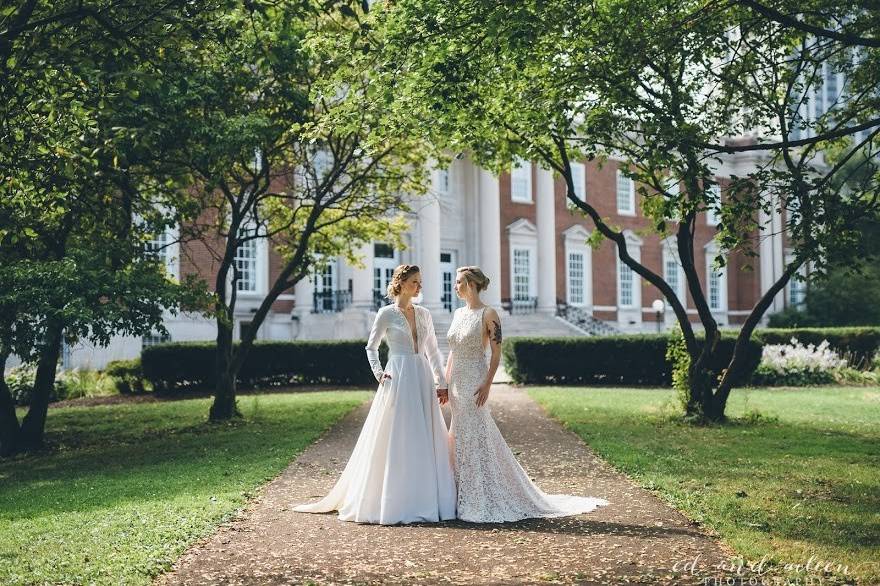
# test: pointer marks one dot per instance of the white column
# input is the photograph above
(771, 254)
(304, 291)
(490, 234)
(429, 263)
(546, 224)
(362, 279)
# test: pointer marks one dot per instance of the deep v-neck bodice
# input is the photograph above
(413, 326)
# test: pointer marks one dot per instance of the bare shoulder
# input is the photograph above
(490, 315)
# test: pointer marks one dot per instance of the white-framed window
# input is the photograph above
(578, 267)
(579, 179)
(576, 278)
(521, 181)
(164, 247)
(523, 246)
(522, 273)
(713, 216)
(246, 265)
(626, 195)
(673, 272)
(442, 181)
(625, 285)
(797, 292)
(251, 260)
(154, 339)
(716, 279)
(629, 294)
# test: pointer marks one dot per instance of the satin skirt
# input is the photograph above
(399, 470)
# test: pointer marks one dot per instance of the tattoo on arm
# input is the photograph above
(496, 332)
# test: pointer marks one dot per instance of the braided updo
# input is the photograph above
(475, 276)
(401, 274)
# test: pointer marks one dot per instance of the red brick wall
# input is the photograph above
(742, 283)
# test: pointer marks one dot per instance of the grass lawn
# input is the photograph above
(795, 475)
(130, 486)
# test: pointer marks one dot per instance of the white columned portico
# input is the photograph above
(546, 223)
(429, 263)
(490, 234)
(362, 279)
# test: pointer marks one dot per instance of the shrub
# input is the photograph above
(127, 375)
(638, 359)
(677, 355)
(858, 344)
(796, 364)
(84, 382)
(190, 365)
(20, 380)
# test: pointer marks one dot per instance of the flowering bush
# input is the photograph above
(795, 364)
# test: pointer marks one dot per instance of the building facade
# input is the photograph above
(524, 234)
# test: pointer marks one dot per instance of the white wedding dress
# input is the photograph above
(400, 470)
(492, 486)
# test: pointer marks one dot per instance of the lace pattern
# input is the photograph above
(492, 486)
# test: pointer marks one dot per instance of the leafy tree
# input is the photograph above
(671, 96)
(277, 161)
(83, 183)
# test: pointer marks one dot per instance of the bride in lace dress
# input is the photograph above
(492, 486)
(399, 471)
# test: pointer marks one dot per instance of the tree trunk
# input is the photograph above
(225, 406)
(9, 426)
(34, 423)
(703, 404)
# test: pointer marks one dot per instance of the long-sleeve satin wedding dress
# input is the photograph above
(400, 470)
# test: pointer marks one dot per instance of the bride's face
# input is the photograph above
(461, 286)
(412, 286)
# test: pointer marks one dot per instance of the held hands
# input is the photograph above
(443, 396)
(385, 377)
(482, 393)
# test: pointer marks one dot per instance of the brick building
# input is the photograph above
(527, 238)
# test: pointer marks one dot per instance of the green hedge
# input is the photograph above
(127, 375)
(640, 359)
(185, 365)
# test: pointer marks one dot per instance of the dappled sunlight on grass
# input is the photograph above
(793, 474)
(125, 488)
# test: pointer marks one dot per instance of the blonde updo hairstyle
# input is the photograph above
(475, 276)
(401, 274)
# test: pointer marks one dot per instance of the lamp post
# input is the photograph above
(658, 307)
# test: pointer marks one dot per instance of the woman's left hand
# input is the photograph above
(482, 393)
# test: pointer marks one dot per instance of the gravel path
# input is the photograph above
(635, 539)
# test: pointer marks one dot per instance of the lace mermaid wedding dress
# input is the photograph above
(399, 471)
(492, 486)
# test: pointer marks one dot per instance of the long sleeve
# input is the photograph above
(376, 334)
(432, 351)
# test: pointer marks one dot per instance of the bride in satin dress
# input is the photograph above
(399, 470)
(492, 486)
